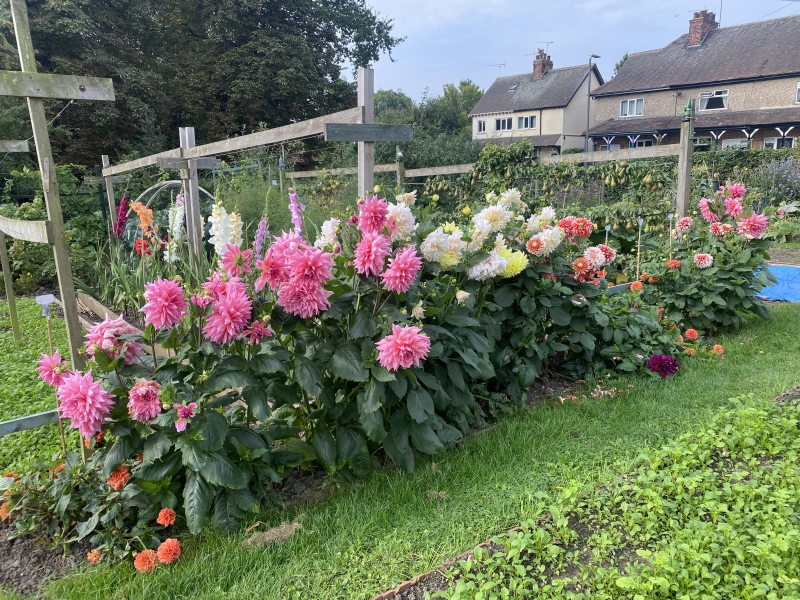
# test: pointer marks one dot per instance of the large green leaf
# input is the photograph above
(256, 398)
(325, 447)
(158, 470)
(227, 380)
(221, 471)
(363, 325)
(462, 321)
(506, 296)
(266, 364)
(213, 428)
(192, 453)
(352, 450)
(346, 363)
(308, 375)
(425, 439)
(373, 397)
(155, 446)
(119, 452)
(371, 420)
(198, 495)
(560, 316)
(226, 512)
(420, 405)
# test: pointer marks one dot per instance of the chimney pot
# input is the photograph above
(542, 64)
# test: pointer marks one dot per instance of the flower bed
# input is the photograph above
(386, 335)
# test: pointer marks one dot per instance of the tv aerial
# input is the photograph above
(500, 67)
(546, 48)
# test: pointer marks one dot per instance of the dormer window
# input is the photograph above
(513, 87)
(716, 100)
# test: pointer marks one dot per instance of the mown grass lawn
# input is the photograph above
(21, 391)
(369, 536)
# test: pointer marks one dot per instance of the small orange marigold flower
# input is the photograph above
(645, 276)
(674, 264)
(169, 551)
(94, 556)
(636, 286)
(166, 517)
(4, 510)
(146, 561)
(119, 478)
(691, 334)
(718, 349)
(691, 351)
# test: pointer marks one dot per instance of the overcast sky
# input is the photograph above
(450, 40)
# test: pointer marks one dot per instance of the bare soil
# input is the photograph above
(26, 564)
(784, 256)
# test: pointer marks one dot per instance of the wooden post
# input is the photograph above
(19, 15)
(194, 228)
(9, 281)
(366, 150)
(112, 203)
(685, 161)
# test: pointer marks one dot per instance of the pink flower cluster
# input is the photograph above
(52, 369)
(753, 227)
(106, 336)
(299, 273)
(373, 215)
(143, 401)
(166, 305)
(229, 316)
(402, 270)
(707, 210)
(579, 227)
(720, 228)
(403, 348)
(684, 224)
(371, 252)
(85, 402)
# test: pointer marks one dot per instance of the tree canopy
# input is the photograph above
(223, 66)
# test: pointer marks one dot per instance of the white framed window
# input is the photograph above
(503, 124)
(797, 94)
(778, 142)
(631, 108)
(526, 122)
(613, 147)
(481, 126)
(644, 143)
(736, 143)
(716, 100)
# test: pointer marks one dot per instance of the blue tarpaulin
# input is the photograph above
(788, 286)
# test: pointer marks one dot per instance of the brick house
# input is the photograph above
(547, 107)
(744, 79)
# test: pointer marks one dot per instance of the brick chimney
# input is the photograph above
(542, 64)
(700, 26)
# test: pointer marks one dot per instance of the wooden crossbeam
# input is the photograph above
(49, 85)
(346, 132)
(183, 163)
(40, 232)
(29, 422)
(14, 146)
(105, 180)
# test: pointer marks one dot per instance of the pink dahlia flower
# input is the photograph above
(705, 208)
(229, 317)
(716, 229)
(583, 227)
(235, 261)
(608, 252)
(568, 225)
(684, 224)
(185, 412)
(402, 271)
(595, 256)
(143, 401)
(371, 252)
(273, 271)
(703, 261)
(753, 227)
(304, 298)
(733, 206)
(52, 369)
(106, 336)
(201, 301)
(372, 215)
(311, 264)
(405, 347)
(736, 190)
(219, 284)
(84, 402)
(287, 244)
(166, 305)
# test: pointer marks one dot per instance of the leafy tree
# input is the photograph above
(619, 64)
(222, 66)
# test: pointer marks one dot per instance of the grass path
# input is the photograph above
(367, 537)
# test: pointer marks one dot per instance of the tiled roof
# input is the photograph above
(717, 120)
(749, 51)
(554, 90)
